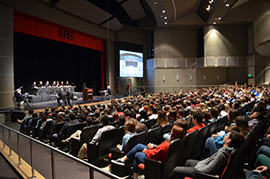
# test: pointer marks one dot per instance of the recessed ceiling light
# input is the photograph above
(163, 11)
(227, 4)
(214, 22)
(161, 15)
(165, 17)
(155, 2)
(166, 23)
(219, 18)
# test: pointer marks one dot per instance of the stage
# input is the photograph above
(39, 106)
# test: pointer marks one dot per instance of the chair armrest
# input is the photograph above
(116, 153)
(153, 169)
(74, 146)
(201, 175)
(92, 153)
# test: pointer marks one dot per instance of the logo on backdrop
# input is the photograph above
(65, 34)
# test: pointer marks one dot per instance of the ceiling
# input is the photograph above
(113, 14)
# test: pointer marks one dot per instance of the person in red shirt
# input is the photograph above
(141, 151)
(197, 121)
(128, 89)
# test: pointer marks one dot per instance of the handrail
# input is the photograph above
(86, 164)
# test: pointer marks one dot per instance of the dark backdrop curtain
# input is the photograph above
(39, 59)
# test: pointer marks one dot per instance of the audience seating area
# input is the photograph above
(180, 150)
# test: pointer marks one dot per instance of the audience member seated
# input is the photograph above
(172, 116)
(154, 114)
(215, 142)
(197, 121)
(29, 115)
(140, 151)
(105, 123)
(215, 164)
(72, 121)
(179, 122)
(162, 119)
(77, 134)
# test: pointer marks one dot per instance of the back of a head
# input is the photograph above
(126, 112)
(214, 112)
(31, 111)
(154, 110)
(198, 116)
(237, 139)
(72, 116)
(173, 114)
(105, 120)
(181, 123)
(233, 113)
(89, 120)
(177, 132)
(130, 126)
(122, 120)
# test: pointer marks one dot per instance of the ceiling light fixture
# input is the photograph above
(227, 5)
(214, 22)
(219, 18)
(165, 17)
(163, 11)
(166, 23)
(155, 2)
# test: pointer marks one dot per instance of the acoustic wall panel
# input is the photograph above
(170, 63)
(180, 63)
(232, 61)
(221, 61)
(160, 63)
(210, 61)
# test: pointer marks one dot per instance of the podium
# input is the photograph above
(88, 94)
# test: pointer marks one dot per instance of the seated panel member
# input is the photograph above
(20, 98)
(40, 84)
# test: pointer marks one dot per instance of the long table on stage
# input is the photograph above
(53, 90)
(45, 94)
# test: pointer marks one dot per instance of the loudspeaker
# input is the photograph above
(17, 114)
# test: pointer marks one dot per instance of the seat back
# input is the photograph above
(154, 136)
(217, 125)
(120, 134)
(150, 122)
(106, 142)
(246, 108)
(88, 133)
(187, 152)
(200, 142)
(73, 128)
(211, 129)
(172, 158)
(134, 140)
(235, 166)
(224, 122)
(189, 122)
(167, 128)
(58, 127)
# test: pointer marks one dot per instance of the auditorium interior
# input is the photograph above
(172, 49)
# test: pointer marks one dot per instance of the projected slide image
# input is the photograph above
(131, 64)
